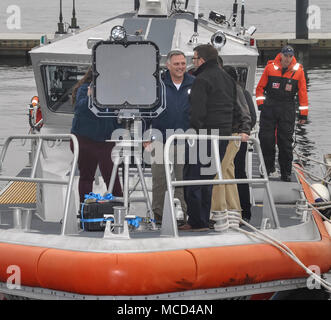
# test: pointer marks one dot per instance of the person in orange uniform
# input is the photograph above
(281, 80)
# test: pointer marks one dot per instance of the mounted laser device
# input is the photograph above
(126, 84)
(126, 77)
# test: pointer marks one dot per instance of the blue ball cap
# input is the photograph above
(288, 50)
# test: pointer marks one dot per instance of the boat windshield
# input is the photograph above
(59, 81)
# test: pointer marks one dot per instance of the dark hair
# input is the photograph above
(86, 79)
(206, 52)
(232, 72)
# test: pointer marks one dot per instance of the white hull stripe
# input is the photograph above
(260, 98)
(303, 108)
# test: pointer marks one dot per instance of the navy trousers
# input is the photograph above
(198, 198)
(240, 173)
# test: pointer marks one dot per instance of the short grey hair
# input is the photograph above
(175, 53)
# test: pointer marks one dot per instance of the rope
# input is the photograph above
(225, 220)
(274, 242)
(309, 173)
(98, 197)
(319, 213)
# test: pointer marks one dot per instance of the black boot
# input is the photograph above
(285, 177)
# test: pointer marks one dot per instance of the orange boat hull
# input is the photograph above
(129, 274)
(160, 272)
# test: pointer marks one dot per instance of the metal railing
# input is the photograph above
(215, 142)
(69, 225)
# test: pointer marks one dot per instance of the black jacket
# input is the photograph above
(213, 98)
(251, 107)
(241, 116)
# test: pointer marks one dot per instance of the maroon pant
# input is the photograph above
(91, 154)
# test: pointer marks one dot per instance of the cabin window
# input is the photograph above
(59, 81)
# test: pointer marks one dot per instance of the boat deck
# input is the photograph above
(287, 217)
(23, 195)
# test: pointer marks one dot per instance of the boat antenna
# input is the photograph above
(186, 4)
(73, 19)
(194, 38)
(234, 14)
(60, 25)
(243, 13)
(196, 17)
(136, 5)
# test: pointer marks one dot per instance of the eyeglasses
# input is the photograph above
(194, 58)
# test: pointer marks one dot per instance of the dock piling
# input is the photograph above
(301, 19)
(302, 32)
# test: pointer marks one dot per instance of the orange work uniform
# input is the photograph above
(275, 95)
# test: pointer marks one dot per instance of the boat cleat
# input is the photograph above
(302, 210)
(119, 228)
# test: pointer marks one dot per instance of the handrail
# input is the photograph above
(67, 226)
(171, 184)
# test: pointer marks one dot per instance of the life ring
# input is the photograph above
(35, 115)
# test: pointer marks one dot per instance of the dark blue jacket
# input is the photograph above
(176, 114)
(86, 124)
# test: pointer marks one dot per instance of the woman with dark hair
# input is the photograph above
(91, 132)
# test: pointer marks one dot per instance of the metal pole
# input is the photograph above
(196, 16)
(301, 19)
(243, 13)
(234, 13)
(60, 25)
(74, 19)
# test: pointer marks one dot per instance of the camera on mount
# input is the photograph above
(217, 17)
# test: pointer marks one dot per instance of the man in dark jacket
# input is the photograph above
(226, 197)
(175, 117)
(213, 99)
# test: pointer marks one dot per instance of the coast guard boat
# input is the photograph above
(45, 253)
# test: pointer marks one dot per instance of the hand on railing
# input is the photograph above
(244, 137)
(148, 146)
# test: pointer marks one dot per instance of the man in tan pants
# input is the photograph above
(226, 197)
